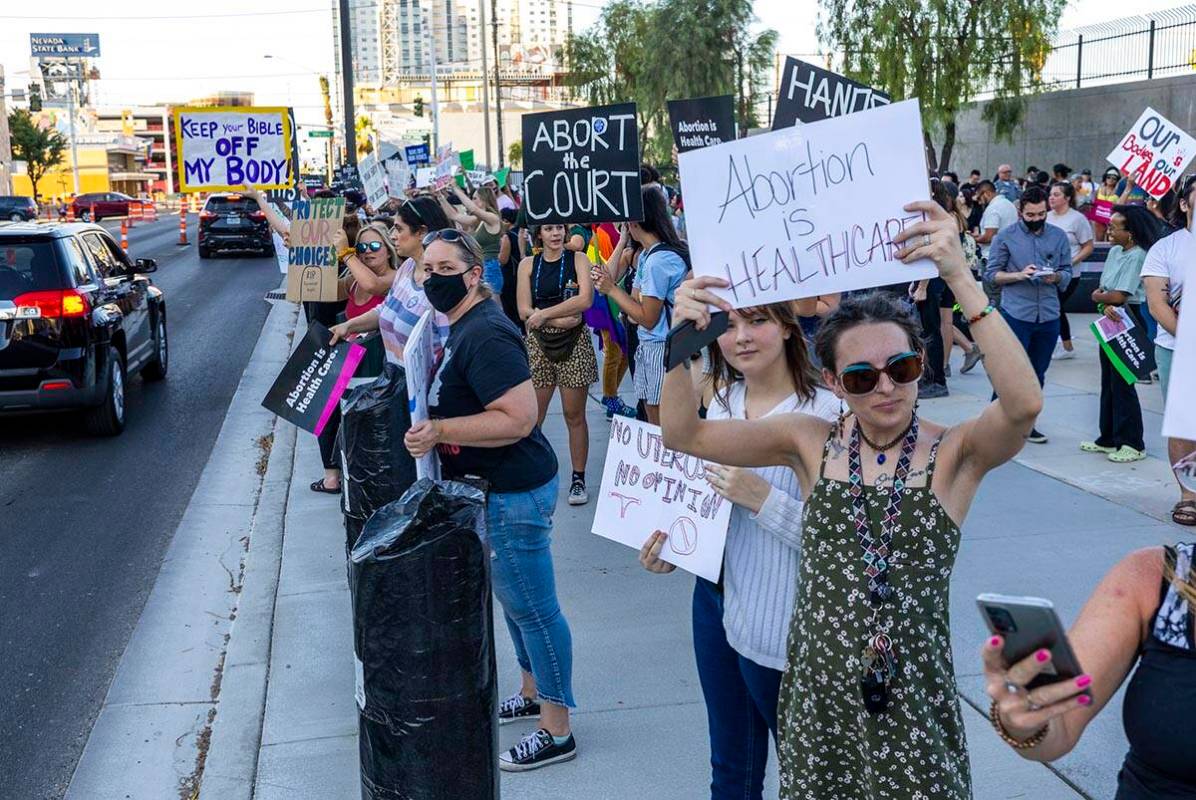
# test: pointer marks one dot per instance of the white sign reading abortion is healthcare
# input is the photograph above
(223, 149)
(808, 210)
(646, 487)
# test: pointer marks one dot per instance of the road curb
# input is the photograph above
(152, 732)
(231, 766)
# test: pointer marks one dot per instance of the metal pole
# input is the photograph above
(497, 90)
(70, 94)
(347, 84)
(1079, 60)
(1150, 53)
(435, 105)
(485, 76)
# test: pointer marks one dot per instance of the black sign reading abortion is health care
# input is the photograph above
(809, 94)
(702, 122)
(308, 389)
(582, 165)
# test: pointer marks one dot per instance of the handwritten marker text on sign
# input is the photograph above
(1156, 152)
(805, 211)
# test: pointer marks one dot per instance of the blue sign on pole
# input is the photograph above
(68, 45)
(418, 154)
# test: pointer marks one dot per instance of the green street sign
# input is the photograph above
(319, 134)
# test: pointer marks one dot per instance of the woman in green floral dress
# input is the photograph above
(869, 708)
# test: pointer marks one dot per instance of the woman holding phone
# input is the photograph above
(1142, 613)
(868, 705)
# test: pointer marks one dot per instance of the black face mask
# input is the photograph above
(1034, 225)
(445, 292)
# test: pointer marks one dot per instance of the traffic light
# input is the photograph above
(419, 106)
(35, 98)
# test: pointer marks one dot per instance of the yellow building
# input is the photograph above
(108, 162)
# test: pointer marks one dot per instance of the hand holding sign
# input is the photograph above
(1154, 153)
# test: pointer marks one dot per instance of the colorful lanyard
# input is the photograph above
(878, 659)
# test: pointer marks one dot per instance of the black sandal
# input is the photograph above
(318, 486)
(1184, 512)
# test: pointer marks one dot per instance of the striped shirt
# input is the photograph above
(763, 550)
(402, 308)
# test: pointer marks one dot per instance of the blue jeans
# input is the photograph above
(741, 703)
(518, 525)
(492, 274)
(1038, 339)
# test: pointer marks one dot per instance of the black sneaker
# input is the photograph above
(577, 493)
(517, 707)
(1036, 436)
(537, 750)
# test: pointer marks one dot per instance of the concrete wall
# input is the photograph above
(1078, 127)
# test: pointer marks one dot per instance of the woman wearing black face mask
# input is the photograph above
(483, 408)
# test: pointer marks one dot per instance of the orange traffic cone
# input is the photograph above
(124, 235)
(70, 212)
(182, 229)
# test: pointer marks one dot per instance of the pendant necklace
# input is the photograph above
(881, 448)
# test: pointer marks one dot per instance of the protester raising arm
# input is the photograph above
(455, 214)
(375, 283)
(491, 219)
(278, 223)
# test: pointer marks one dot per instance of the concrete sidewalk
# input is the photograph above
(1049, 525)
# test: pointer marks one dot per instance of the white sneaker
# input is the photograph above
(1062, 354)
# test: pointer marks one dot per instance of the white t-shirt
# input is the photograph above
(1170, 258)
(999, 214)
(1075, 225)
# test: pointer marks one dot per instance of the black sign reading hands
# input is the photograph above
(809, 94)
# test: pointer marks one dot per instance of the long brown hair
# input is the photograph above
(797, 358)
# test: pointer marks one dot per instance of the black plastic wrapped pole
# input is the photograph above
(423, 634)
(377, 468)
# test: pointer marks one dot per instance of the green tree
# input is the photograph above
(945, 52)
(515, 153)
(632, 55)
(40, 148)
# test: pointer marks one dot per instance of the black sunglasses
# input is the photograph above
(368, 247)
(449, 235)
(862, 378)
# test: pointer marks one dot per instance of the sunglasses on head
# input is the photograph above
(415, 210)
(862, 378)
(446, 234)
(368, 247)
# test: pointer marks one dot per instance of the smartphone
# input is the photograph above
(1029, 624)
(685, 340)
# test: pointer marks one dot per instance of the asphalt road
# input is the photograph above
(84, 522)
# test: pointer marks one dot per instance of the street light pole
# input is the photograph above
(70, 94)
(497, 76)
(347, 84)
(485, 76)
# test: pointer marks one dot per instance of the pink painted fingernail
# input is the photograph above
(1042, 655)
(995, 641)
(1083, 681)
(1084, 700)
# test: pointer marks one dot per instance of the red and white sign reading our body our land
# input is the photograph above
(1155, 151)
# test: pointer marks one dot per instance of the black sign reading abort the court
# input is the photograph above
(809, 94)
(582, 165)
(702, 122)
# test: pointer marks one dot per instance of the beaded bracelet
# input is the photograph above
(987, 310)
(994, 716)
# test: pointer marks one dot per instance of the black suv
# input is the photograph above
(17, 209)
(77, 318)
(233, 222)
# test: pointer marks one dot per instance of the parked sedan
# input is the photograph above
(97, 205)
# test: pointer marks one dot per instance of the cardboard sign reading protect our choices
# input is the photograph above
(809, 94)
(224, 148)
(702, 122)
(312, 270)
(808, 210)
(582, 166)
(1155, 151)
(646, 487)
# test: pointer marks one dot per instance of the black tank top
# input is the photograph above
(1159, 710)
(552, 283)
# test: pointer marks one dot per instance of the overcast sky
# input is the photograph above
(154, 51)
